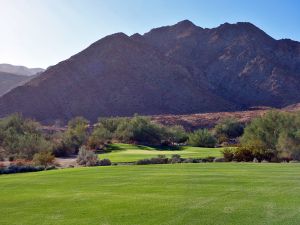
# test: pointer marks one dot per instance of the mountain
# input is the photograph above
(9, 81)
(179, 69)
(20, 70)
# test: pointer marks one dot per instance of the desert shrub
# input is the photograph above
(208, 159)
(20, 169)
(202, 138)
(99, 138)
(22, 138)
(156, 160)
(44, 159)
(143, 162)
(228, 154)
(175, 159)
(242, 154)
(75, 136)
(227, 129)
(175, 134)
(104, 162)
(87, 157)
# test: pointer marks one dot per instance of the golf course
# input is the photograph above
(230, 193)
(131, 153)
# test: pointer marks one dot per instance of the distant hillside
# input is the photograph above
(9, 81)
(179, 69)
(20, 70)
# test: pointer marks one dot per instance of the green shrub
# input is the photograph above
(99, 138)
(22, 138)
(227, 129)
(228, 154)
(175, 134)
(202, 138)
(75, 136)
(139, 129)
(44, 159)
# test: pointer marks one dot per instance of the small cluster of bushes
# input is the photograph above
(139, 129)
(162, 159)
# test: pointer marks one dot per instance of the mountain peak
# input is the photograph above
(178, 69)
(185, 24)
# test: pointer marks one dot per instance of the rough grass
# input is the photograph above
(183, 194)
(132, 153)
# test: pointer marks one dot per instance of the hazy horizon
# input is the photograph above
(43, 33)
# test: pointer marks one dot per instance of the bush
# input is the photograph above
(75, 136)
(140, 129)
(105, 162)
(228, 154)
(175, 134)
(99, 138)
(242, 154)
(20, 169)
(87, 157)
(202, 138)
(158, 160)
(144, 162)
(175, 159)
(22, 138)
(44, 159)
(227, 129)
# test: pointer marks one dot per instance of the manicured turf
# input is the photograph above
(132, 153)
(183, 194)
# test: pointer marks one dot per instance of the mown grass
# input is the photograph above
(183, 194)
(132, 153)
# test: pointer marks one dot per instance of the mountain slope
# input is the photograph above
(20, 70)
(9, 81)
(177, 69)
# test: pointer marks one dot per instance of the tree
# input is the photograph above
(202, 138)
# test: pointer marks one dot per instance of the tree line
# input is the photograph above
(273, 137)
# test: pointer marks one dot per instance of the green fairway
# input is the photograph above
(183, 194)
(132, 153)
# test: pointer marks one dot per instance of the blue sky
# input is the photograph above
(40, 33)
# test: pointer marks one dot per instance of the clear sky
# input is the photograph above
(40, 33)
